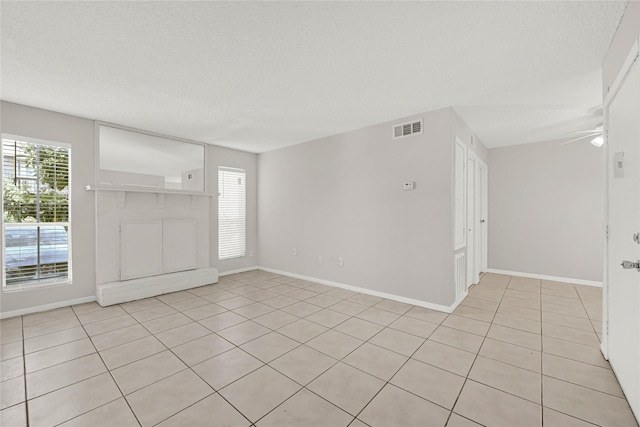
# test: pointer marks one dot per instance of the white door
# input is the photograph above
(471, 220)
(481, 220)
(623, 284)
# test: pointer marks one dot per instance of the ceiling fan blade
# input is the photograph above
(584, 131)
(581, 137)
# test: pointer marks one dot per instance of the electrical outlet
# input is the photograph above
(250, 254)
(295, 252)
(340, 261)
(319, 260)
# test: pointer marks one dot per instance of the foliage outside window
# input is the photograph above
(35, 220)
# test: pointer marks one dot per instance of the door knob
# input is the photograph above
(628, 265)
(636, 238)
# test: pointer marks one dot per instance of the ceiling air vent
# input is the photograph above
(407, 129)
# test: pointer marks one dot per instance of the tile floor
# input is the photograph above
(268, 350)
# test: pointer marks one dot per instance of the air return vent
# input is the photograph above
(407, 129)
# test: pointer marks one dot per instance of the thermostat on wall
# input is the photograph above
(409, 185)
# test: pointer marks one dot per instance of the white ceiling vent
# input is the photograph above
(407, 129)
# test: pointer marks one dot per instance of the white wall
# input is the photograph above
(79, 133)
(342, 196)
(546, 209)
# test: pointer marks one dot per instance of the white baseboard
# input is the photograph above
(239, 270)
(131, 290)
(419, 303)
(46, 307)
(543, 277)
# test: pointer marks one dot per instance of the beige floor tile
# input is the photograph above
(303, 364)
(302, 330)
(56, 338)
(414, 326)
(64, 374)
(47, 316)
(568, 292)
(116, 413)
(219, 296)
(143, 304)
(301, 294)
(521, 302)
(349, 308)
(130, 352)
(346, 387)
(190, 303)
(381, 317)
(283, 289)
(525, 313)
(11, 335)
(550, 284)
(376, 361)
(512, 354)
(119, 336)
(11, 350)
(306, 409)
(480, 303)
(517, 381)
(276, 319)
(46, 328)
(258, 393)
(570, 350)
(397, 341)
(489, 294)
(221, 370)
(15, 416)
(147, 371)
(243, 332)
(11, 323)
(445, 357)
(165, 398)
(492, 407)
(359, 328)
(109, 325)
(319, 288)
(396, 407)
(175, 297)
(467, 325)
(261, 295)
(201, 349)
(567, 321)
(328, 317)
(167, 322)
(59, 354)
(200, 414)
(458, 339)
(253, 310)
(270, 346)
(204, 311)
(521, 294)
(570, 334)
(474, 313)
(341, 293)
(515, 336)
(427, 315)
(334, 344)
(205, 290)
(583, 374)
(301, 309)
(456, 420)
(431, 383)
(11, 392)
(153, 313)
(323, 301)
(594, 310)
(280, 301)
(182, 334)
(357, 423)
(69, 402)
(576, 311)
(11, 368)
(102, 314)
(527, 325)
(589, 405)
(368, 300)
(394, 306)
(555, 299)
(553, 418)
(222, 321)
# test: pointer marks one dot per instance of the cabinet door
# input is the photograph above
(140, 249)
(179, 245)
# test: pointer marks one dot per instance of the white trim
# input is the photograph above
(46, 307)
(550, 278)
(239, 270)
(634, 52)
(419, 303)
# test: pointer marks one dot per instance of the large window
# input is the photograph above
(231, 213)
(35, 215)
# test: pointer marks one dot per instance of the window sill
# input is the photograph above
(33, 286)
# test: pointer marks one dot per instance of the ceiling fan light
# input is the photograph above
(598, 141)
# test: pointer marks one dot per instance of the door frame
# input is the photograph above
(471, 215)
(482, 212)
(631, 58)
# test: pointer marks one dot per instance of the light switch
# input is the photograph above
(409, 185)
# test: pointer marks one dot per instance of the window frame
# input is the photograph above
(244, 248)
(41, 283)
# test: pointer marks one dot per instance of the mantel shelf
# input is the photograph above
(145, 190)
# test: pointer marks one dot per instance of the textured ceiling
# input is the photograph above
(263, 75)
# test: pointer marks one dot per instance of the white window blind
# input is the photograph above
(231, 213)
(35, 215)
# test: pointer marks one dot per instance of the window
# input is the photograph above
(35, 214)
(231, 213)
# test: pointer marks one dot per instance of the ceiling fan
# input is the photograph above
(595, 136)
